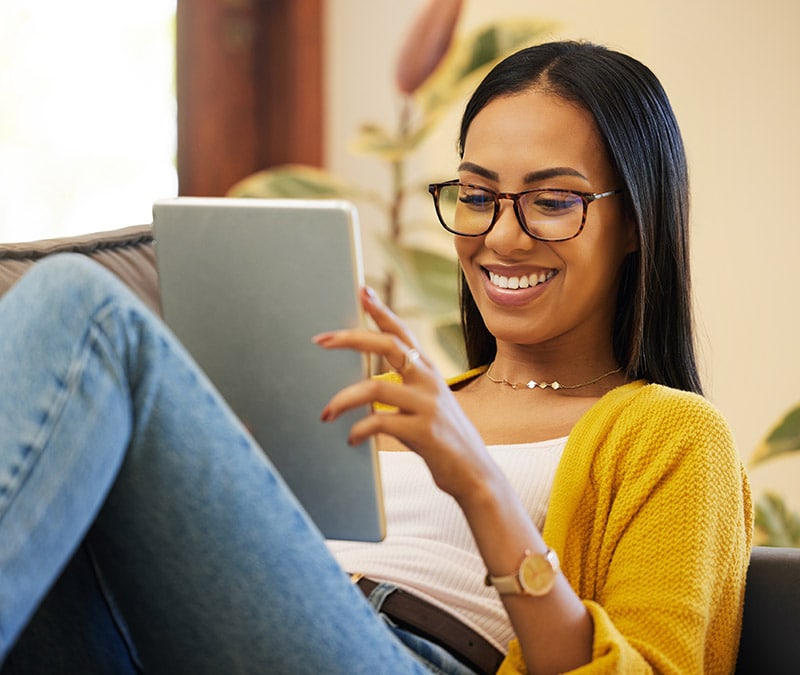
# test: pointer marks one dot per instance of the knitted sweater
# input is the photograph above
(651, 516)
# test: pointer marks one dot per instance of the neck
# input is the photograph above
(574, 360)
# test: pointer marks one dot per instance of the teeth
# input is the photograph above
(520, 282)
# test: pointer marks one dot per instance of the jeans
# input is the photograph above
(141, 527)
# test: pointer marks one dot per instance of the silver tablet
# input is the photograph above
(245, 284)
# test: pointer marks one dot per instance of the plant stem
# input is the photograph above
(397, 195)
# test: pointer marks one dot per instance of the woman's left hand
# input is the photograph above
(428, 419)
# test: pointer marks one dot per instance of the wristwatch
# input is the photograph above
(536, 575)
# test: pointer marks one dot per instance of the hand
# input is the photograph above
(428, 419)
(430, 422)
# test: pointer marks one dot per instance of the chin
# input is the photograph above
(513, 331)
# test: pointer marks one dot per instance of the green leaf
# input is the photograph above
(295, 181)
(776, 525)
(375, 141)
(431, 277)
(467, 60)
(783, 439)
(472, 56)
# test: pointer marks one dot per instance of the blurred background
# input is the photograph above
(109, 105)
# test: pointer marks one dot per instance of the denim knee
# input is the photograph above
(66, 277)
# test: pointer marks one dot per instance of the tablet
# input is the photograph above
(245, 284)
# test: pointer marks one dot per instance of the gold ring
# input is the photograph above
(411, 357)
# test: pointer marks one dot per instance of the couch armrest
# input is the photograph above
(770, 640)
(128, 252)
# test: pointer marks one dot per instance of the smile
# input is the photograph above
(527, 281)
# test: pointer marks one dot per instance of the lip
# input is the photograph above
(514, 296)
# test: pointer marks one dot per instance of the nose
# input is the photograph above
(507, 235)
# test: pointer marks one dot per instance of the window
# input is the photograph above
(89, 120)
(88, 116)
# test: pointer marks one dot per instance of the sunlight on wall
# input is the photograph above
(87, 117)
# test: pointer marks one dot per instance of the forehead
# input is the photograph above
(535, 130)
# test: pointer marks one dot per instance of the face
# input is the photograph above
(538, 140)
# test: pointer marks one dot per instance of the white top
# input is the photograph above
(429, 549)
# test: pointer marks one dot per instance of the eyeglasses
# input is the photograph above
(547, 214)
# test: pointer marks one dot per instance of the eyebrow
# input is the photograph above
(532, 177)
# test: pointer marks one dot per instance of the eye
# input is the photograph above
(554, 203)
(475, 198)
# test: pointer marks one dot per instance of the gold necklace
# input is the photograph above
(555, 384)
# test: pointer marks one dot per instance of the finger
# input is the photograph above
(397, 353)
(385, 319)
(370, 392)
(408, 428)
(373, 425)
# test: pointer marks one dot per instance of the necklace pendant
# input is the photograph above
(545, 385)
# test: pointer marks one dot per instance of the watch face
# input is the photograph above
(536, 574)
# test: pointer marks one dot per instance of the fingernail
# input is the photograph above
(325, 416)
(371, 295)
(322, 338)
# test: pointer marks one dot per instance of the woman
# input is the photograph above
(569, 214)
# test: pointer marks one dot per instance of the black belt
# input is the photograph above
(435, 624)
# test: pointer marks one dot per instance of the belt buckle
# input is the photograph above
(355, 577)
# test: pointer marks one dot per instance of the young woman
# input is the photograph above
(570, 502)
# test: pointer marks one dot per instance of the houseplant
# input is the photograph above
(436, 69)
(776, 524)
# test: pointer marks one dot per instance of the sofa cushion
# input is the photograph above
(770, 637)
(128, 252)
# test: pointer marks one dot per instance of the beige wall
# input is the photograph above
(731, 70)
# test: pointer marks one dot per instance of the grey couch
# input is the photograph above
(771, 627)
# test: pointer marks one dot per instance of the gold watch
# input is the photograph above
(536, 575)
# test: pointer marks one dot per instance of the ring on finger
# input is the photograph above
(410, 358)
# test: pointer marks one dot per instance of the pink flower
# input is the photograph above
(427, 43)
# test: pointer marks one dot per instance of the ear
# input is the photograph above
(631, 236)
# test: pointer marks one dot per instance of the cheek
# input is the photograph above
(466, 248)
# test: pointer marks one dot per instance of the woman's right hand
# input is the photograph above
(427, 418)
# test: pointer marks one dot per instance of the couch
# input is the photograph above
(770, 641)
(128, 252)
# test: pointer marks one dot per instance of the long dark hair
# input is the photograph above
(653, 327)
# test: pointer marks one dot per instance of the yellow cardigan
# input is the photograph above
(651, 516)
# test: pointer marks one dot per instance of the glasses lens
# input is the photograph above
(552, 214)
(466, 210)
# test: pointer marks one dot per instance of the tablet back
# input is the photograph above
(245, 284)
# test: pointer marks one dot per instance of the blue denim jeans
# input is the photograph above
(141, 527)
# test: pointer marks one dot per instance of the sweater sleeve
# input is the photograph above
(657, 535)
